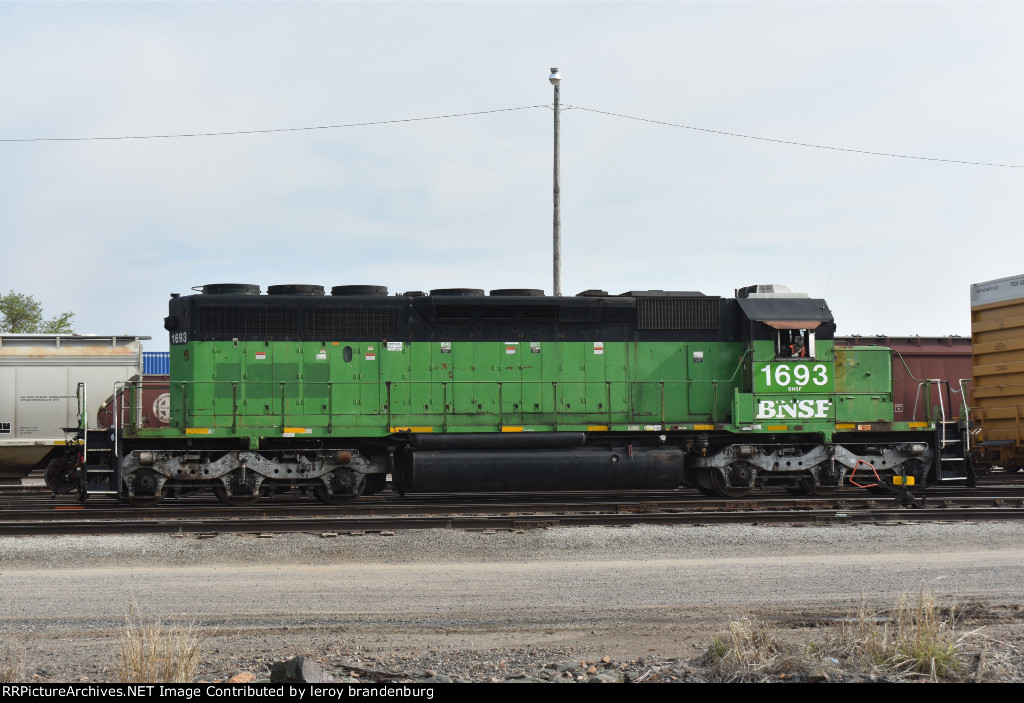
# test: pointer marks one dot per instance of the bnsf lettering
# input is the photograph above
(797, 409)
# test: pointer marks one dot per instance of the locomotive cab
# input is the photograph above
(784, 409)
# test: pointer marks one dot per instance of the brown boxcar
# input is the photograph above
(997, 330)
(916, 363)
(154, 409)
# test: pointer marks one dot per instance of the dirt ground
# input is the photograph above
(641, 603)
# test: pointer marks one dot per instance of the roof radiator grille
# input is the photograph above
(678, 313)
(295, 322)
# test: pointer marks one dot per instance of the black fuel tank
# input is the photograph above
(617, 468)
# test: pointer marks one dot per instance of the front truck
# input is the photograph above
(811, 417)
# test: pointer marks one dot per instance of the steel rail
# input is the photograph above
(199, 508)
(85, 522)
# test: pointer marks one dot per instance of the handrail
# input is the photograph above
(606, 391)
(448, 388)
(928, 383)
(943, 422)
(118, 386)
(83, 421)
(961, 389)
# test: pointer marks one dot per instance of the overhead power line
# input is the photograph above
(791, 143)
(512, 109)
(271, 131)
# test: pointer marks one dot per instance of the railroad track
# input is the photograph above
(38, 515)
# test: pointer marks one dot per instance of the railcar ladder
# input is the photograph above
(952, 462)
(97, 475)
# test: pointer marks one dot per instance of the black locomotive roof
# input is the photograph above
(633, 316)
(662, 294)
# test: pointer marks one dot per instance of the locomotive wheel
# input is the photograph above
(375, 483)
(725, 489)
(144, 501)
(238, 501)
(814, 488)
(328, 498)
(146, 481)
(702, 478)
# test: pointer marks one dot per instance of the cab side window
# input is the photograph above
(795, 344)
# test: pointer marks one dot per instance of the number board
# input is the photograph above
(793, 377)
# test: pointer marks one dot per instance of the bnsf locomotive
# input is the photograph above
(296, 391)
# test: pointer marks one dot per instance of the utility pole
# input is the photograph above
(555, 78)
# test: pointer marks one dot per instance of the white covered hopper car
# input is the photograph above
(39, 377)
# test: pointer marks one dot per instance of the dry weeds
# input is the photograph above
(152, 652)
(915, 640)
(10, 664)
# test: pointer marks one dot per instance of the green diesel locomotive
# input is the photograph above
(297, 391)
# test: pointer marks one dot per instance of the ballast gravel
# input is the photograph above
(640, 603)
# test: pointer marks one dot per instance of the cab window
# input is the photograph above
(795, 344)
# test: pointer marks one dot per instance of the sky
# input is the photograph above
(108, 228)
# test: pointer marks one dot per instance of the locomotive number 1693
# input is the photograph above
(787, 377)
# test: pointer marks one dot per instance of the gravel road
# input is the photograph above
(483, 606)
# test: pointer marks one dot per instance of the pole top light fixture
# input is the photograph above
(555, 76)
